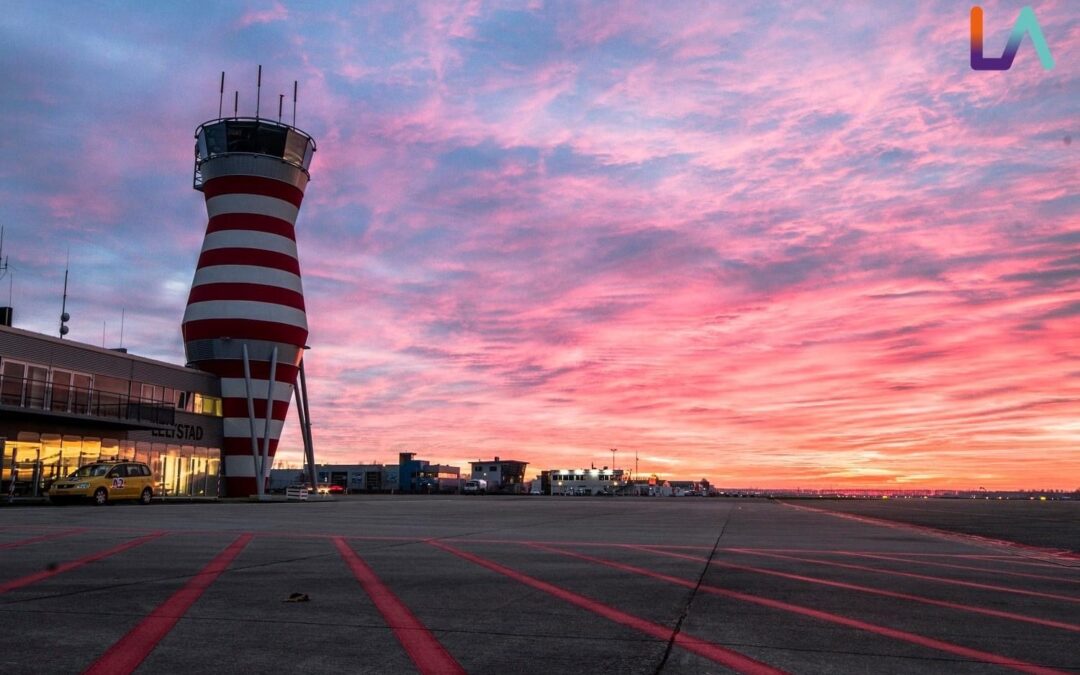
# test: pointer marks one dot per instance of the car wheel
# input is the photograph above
(146, 496)
(101, 496)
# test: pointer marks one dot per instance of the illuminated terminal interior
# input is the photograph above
(33, 461)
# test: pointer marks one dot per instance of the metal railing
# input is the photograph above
(66, 399)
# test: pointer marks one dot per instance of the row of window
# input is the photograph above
(261, 137)
(35, 386)
(582, 476)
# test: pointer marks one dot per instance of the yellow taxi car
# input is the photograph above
(106, 481)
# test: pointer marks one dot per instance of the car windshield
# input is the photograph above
(91, 471)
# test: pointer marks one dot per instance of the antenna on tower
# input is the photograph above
(221, 95)
(258, 92)
(64, 316)
(280, 103)
(294, 103)
(123, 310)
(3, 259)
(6, 312)
(236, 104)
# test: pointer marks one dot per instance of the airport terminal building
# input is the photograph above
(64, 404)
(581, 481)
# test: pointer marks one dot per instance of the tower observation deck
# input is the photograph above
(245, 319)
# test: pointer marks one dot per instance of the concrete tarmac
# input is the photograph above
(1051, 524)
(524, 585)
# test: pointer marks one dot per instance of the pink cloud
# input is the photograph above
(801, 248)
(253, 17)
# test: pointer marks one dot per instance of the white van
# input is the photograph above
(475, 487)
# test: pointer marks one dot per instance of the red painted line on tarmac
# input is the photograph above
(1000, 614)
(73, 564)
(1046, 553)
(910, 575)
(709, 650)
(425, 651)
(1004, 557)
(1011, 560)
(996, 557)
(43, 537)
(914, 638)
(1027, 575)
(129, 651)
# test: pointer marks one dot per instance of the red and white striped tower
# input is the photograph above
(245, 318)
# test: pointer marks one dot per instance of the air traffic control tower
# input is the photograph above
(245, 318)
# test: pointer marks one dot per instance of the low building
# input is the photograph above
(352, 477)
(421, 476)
(64, 404)
(390, 479)
(409, 475)
(284, 478)
(583, 481)
(441, 478)
(502, 475)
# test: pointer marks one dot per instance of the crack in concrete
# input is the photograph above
(693, 594)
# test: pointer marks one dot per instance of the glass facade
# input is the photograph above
(242, 135)
(31, 462)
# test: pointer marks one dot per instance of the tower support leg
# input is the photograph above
(305, 427)
(251, 419)
(264, 467)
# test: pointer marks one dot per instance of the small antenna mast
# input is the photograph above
(123, 310)
(64, 316)
(235, 103)
(280, 103)
(4, 267)
(221, 95)
(3, 260)
(294, 103)
(258, 92)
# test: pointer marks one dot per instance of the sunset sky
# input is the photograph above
(798, 244)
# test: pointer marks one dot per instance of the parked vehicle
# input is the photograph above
(475, 487)
(104, 482)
